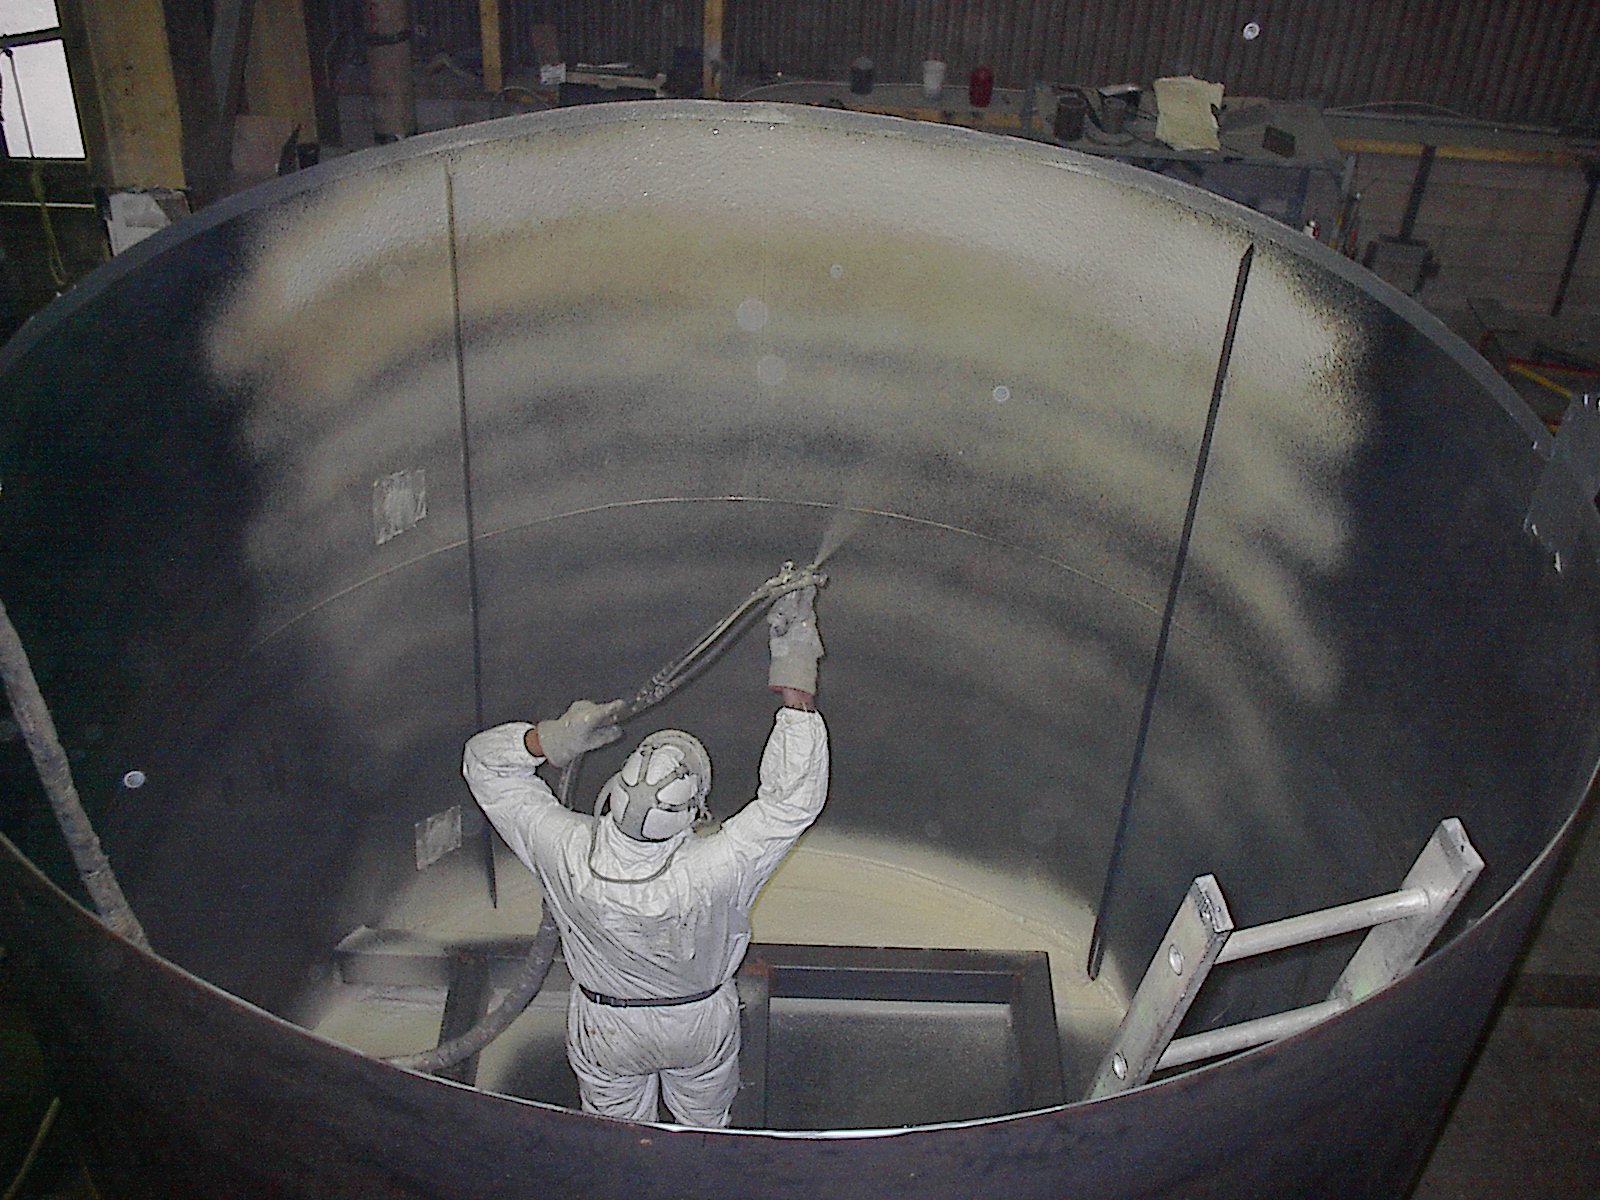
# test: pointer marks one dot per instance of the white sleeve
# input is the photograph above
(794, 785)
(504, 780)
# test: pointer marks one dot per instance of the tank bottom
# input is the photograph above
(830, 1061)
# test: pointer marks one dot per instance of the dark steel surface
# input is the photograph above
(1367, 640)
(199, 1095)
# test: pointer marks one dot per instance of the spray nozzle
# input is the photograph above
(791, 578)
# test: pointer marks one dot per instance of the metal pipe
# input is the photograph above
(1592, 171)
(1419, 187)
(389, 30)
(487, 837)
(1246, 1034)
(1329, 922)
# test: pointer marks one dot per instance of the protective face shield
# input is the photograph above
(661, 788)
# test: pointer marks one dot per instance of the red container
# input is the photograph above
(980, 87)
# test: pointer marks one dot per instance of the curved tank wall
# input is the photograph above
(607, 368)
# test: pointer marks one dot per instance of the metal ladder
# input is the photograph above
(1402, 925)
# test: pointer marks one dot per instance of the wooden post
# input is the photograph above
(277, 69)
(489, 33)
(711, 56)
(121, 70)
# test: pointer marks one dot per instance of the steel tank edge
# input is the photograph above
(190, 1091)
(193, 1091)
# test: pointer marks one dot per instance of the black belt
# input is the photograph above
(665, 1002)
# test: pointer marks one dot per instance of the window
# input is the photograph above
(37, 111)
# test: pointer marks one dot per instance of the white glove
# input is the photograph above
(793, 639)
(585, 726)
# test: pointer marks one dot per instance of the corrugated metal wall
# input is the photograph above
(592, 31)
(1512, 60)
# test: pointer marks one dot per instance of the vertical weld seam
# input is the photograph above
(1169, 612)
(466, 448)
(466, 500)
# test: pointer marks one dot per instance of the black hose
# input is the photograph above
(530, 978)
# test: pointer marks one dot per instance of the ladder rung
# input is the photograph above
(1326, 923)
(1400, 926)
(1246, 1034)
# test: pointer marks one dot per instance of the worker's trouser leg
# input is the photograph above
(621, 1057)
(703, 1095)
(631, 1097)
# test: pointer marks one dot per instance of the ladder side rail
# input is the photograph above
(1325, 923)
(1446, 870)
(1188, 950)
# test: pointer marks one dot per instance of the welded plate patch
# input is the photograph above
(1574, 469)
(399, 501)
(437, 836)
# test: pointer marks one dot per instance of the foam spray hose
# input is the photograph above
(706, 650)
(531, 975)
(50, 760)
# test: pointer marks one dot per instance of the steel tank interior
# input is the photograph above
(297, 494)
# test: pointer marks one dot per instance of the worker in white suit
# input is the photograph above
(654, 915)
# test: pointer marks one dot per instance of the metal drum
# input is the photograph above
(300, 493)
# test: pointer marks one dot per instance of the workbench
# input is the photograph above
(1300, 187)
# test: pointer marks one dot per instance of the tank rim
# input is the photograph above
(1249, 223)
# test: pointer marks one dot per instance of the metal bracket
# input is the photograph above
(437, 836)
(1574, 466)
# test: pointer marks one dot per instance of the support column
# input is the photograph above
(711, 60)
(493, 56)
(141, 72)
(121, 73)
(277, 69)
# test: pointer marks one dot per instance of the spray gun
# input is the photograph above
(706, 649)
(675, 674)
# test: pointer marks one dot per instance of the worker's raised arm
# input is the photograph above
(501, 766)
(794, 765)
(794, 786)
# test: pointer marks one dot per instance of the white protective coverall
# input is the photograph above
(680, 933)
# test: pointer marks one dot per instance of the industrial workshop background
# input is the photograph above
(1534, 61)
